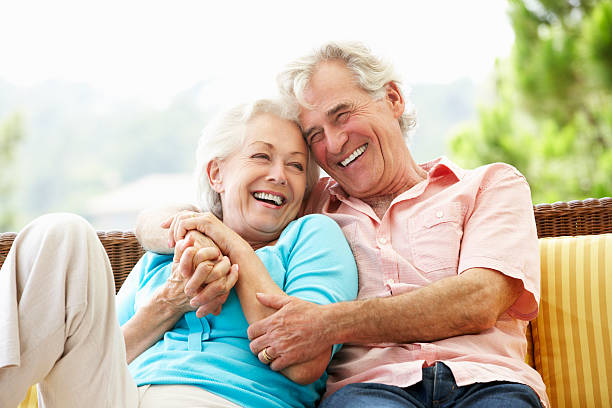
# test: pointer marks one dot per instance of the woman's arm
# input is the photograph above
(170, 302)
(254, 278)
(160, 314)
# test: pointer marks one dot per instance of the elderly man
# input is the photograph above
(447, 258)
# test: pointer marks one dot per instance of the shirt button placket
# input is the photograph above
(386, 271)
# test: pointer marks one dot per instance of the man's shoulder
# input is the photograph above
(497, 169)
(320, 194)
(326, 184)
(493, 173)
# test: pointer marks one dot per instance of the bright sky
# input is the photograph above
(150, 50)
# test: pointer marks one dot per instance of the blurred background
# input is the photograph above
(102, 103)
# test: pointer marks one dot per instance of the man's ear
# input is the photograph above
(215, 178)
(395, 99)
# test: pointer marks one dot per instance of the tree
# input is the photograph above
(552, 117)
(11, 133)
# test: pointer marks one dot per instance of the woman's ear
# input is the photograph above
(395, 98)
(215, 178)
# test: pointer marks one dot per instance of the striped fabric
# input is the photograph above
(31, 399)
(573, 332)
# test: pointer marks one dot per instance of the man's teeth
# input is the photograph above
(358, 152)
(278, 200)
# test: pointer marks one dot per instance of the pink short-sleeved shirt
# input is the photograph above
(454, 220)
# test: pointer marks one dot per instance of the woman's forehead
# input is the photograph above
(274, 133)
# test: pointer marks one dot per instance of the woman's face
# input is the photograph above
(262, 185)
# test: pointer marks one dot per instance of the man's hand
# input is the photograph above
(295, 333)
(149, 232)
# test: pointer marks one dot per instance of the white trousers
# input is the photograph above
(58, 325)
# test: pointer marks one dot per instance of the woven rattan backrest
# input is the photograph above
(559, 219)
(122, 248)
(587, 217)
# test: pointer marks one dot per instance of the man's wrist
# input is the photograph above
(337, 322)
(348, 321)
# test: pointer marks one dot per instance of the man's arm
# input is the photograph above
(464, 304)
(254, 277)
(149, 232)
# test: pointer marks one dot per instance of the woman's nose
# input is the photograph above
(277, 174)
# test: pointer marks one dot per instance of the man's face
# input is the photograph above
(357, 140)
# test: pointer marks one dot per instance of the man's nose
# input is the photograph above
(336, 138)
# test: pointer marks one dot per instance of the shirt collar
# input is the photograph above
(435, 168)
(442, 166)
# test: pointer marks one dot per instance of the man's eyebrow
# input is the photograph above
(330, 113)
(337, 108)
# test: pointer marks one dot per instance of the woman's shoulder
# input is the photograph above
(311, 230)
(312, 223)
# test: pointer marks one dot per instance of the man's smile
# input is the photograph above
(356, 153)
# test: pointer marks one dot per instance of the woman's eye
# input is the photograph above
(260, 156)
(298, 166)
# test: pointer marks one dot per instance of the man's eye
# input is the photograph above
(342, 117)
(315, 137)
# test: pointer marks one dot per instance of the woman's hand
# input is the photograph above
(228, 241)
(171, 223)
(210, 276)
(172, 294)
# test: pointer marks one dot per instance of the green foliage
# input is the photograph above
(552, 118)
(11, 134)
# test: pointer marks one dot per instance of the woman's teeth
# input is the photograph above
(278, 200)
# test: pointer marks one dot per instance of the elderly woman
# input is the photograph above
(59, 323)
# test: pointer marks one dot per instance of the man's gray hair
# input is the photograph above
(371, 72)
(225, 134)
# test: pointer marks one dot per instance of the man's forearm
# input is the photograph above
(465, 304)
(148, 231)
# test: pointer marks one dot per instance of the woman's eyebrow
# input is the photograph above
(268, 145)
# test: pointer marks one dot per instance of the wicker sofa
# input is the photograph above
(569, 343)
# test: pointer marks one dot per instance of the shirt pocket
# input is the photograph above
(435, 237)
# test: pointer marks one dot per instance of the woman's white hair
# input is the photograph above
(225, 135)
(371, 72)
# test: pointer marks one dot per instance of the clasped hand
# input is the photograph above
(201, 277)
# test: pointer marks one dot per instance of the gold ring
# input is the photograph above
(266, 356)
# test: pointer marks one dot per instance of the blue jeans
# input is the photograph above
(438, 389)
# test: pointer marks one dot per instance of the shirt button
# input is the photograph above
(439, 214)
(382, 240)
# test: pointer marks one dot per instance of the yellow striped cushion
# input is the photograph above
(572, 333)
(31, 399)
